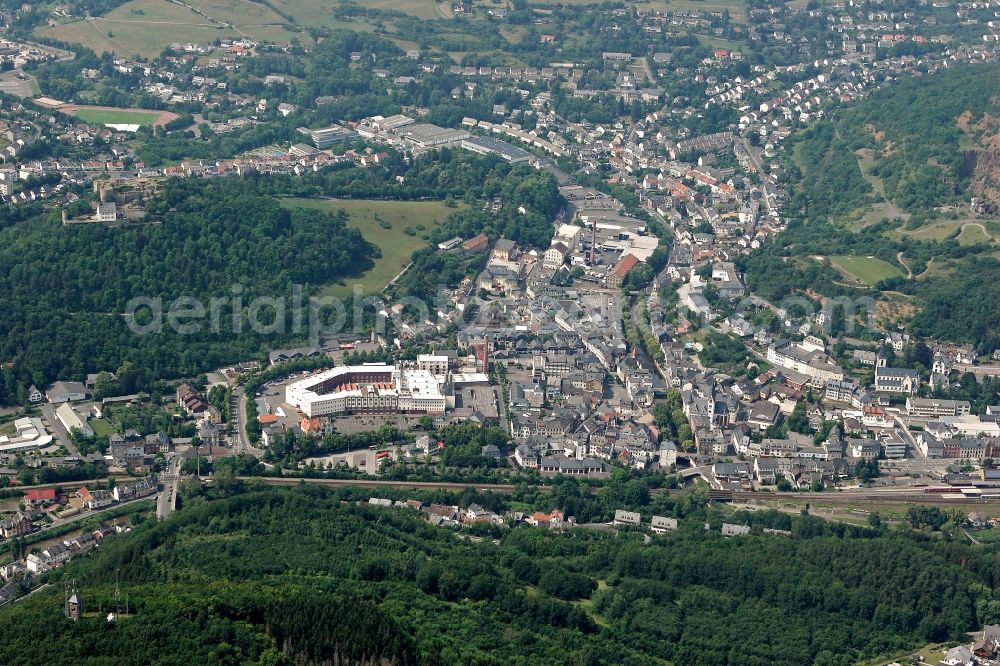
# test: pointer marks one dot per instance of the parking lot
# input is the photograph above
(363, 460)
(272, 401)
(364, 422)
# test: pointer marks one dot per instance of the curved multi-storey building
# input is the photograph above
(371, 388)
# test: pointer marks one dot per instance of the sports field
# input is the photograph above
(105, 116)
(869, 270)
(395, 244)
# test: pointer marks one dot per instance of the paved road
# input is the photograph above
(755, 158)
(240, 414)
(67, 485)
(49, 412)
(166, 500)
(911, 443)
(37, 589)
(649, 73)
(242, 442)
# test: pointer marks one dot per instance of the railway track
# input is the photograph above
(743, 496)
(375, 483)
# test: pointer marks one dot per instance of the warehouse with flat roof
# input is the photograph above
(486, 145)
(425, 135)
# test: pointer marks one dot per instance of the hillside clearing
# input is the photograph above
(395, 244)
(869, 270)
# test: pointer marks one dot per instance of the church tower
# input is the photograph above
(74, 605)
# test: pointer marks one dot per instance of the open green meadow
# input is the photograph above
(397, 246)
(101, 427)
(866, 269)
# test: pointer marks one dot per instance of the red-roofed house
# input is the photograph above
(551, 519)
(621, 269)
(46, 496)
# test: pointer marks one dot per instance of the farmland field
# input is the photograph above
(318, 12)
(866, 269)
(395, 244)
(146, 27)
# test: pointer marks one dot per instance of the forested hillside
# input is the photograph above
(296, 575)
(912, 127)
(913, 138)
(64, 289)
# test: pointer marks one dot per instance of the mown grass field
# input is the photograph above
(970, 231)
(100, 427)
(866, 269)
(103, 116)
(396, 245)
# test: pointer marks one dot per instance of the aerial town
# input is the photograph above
(628, 323)
(565, 354)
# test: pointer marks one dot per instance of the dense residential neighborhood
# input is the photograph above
(570, 353)
(578, 320)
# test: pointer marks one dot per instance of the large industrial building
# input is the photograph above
(485, 145)
(425, 135)
(369, 389)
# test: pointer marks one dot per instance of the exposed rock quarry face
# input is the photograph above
(982, 164)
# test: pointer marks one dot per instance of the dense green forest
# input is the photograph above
(285, 576)
(961, 306)
(65, 289)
